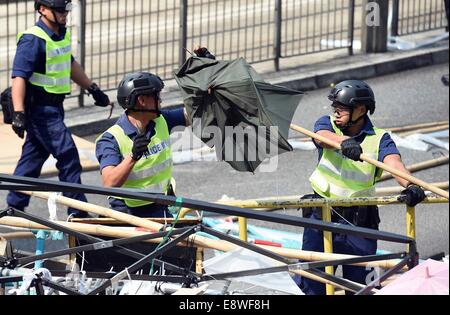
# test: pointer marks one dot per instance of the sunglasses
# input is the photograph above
(339, 109)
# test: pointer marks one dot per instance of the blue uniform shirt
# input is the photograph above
(108, 153)
(31, 56)
(387, 145)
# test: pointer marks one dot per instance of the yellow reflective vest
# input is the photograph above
(339, 177)
(153, 172)
(58, 65)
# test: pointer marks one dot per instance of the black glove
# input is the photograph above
(19, 123)
(140, 146)
(412, 195)
(203, 52)
(101, 99)
(351, 149)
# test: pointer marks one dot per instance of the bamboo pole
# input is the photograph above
(419, 167)
(16, 235)
(399, 130)
(417, 126)
(376, 163)
(328, 245)
(287, 202)
(106, 212)
(383, 191)
(424, 130)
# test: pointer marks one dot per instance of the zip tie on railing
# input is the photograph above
(52, 210)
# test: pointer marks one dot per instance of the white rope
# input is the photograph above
(342, 217)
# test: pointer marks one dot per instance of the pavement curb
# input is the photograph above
(366, 71)
(361, 67)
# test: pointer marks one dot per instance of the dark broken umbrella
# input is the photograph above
(233, 109)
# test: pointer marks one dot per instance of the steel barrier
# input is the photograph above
(326, 205)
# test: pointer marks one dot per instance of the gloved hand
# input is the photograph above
(351, 149)
(412, 195)
(140, 146)
(101, 99)
(19, 123)
(204, 53)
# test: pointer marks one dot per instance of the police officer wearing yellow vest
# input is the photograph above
(341, 174)
(136, 153)
(41, 78)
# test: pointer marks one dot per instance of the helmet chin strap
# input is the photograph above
(54, 17)
(143, 110)
(352, 122)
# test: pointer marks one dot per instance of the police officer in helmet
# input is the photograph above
(41, 78)
(136, 153)
(341, 174)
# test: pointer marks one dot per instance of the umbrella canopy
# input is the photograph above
(234, 110)
(428, 278)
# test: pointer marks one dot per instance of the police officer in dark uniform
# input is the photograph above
(41, 78)
(341, 174)
(135, 153)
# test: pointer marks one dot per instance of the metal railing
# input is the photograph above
(415, 16)
(111, 38)
(326, 205)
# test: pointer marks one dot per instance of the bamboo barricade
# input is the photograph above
(106, 231)
(198, 240)
(378, 164)
(419, 167)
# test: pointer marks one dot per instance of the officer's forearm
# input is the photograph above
(19, 86)
(116, 176)
(395, 161)
(329, 135)
(79, 76)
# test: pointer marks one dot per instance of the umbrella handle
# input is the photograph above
(378, 164)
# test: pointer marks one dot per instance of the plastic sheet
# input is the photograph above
(242, 259)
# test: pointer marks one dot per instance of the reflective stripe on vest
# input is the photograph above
(338, 177)
(56, 79)
(152, 173)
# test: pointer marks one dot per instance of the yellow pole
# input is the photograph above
(243, 229)
(411, 222)
(328, 244)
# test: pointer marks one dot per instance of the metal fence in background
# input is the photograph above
(15, 16)
(415, 16)
(111, 38)
(233, 28)
(316, 26)
(129, 35)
